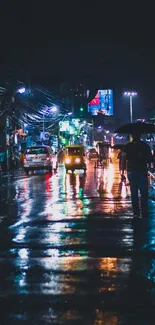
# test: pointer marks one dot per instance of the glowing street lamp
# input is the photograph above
(21, 90)
(53, 109)
(130, 95)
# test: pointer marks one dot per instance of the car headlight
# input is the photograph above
(67, 160)
(77, 160)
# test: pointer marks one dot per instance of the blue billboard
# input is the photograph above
(102, 103)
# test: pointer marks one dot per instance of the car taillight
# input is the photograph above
(47, 158)
(25, 159)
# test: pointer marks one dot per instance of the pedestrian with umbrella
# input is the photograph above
(136, 156)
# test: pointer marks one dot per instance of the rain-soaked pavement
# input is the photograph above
(71, 252)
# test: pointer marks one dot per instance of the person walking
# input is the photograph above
(136, 156)
(119, 157)
(121, 167)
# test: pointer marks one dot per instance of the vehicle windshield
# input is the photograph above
(36, 150)
(74, 151)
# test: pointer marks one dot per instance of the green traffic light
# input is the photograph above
(81, 109)
(63, 140)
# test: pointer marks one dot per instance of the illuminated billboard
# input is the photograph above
(102, 103)
(64, 126)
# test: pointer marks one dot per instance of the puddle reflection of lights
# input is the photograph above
(53, 253)
(24, 253)
(54, 188)
(21, 234)
(52, 238)
(110, 178)
(110, 267)
(78, 202)
(100, 317)
(24, 220)
(77, 186)
(105, 178)
(73, 209)
(58, 283)
(100, 179)
(53, 210)
(65, 264)
(27, 206)
(114, 265)
(68, 187)
(58, 226)
(22, 261)
(128, 241)
(52, 196)
(24, 212)
(72, 185)
(123, 191)
(60, 211)
(86, 211)
(24, 207)
(108, 264)
(22, 190)
(26, 192)
(47, 186)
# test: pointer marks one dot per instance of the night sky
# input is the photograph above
(111, 45)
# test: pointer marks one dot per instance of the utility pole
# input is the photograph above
(43, 125)
(131, 113)
(93, 129)
(6, 106)
(7, 132)
(7, 142)
(131, 95)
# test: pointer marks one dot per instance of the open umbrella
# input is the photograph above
(138, 127)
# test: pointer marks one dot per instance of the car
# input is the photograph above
(92, 154)
(38, 158)
(74, 157)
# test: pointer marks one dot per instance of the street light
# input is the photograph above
(21, 90)
(53, 109)
(130, 94)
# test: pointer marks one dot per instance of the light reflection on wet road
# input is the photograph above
(71, 252)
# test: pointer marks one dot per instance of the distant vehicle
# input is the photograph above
(40, 157)
(92, 153)
(75, 157)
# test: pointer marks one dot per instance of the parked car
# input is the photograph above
(40, 157)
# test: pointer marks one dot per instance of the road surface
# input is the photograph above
(71, 252)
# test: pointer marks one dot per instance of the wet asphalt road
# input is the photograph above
(71, 252)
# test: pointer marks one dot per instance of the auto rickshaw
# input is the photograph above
(75, 157)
